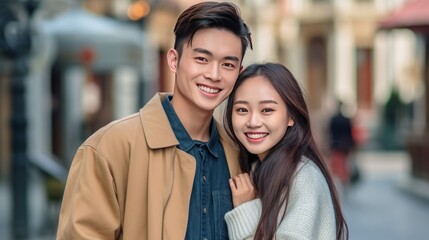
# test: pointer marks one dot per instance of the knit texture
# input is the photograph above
(310, 213)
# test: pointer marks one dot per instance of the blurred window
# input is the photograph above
(316, 71)
(364, 73)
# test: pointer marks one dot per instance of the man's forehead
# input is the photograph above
(216, 43)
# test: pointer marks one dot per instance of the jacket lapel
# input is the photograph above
(155, 124)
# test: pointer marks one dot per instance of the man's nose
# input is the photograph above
(213, 73)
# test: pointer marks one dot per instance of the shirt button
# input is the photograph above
(204, 179)
(205, 239)
(205, 210)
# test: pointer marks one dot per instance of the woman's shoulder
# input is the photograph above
(307, 165)
(309, 175)
(310, 213)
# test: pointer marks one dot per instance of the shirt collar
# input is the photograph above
(185, 141)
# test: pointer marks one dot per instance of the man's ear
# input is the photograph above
(290, 122)
(172, 59)
(241, 68)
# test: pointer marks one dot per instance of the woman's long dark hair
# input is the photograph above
(274, 175)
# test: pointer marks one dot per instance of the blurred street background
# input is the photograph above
(68, 67)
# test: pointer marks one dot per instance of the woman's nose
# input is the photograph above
(254, 121)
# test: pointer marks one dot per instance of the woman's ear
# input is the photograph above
(172, 59)
(290, 122)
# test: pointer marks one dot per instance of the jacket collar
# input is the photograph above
(185, 141)
(155, 124)
(160, 135)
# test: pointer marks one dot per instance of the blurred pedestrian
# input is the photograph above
(393, 113)
(286, 191)
(163, 173)
(342, 145)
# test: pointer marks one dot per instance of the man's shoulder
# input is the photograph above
(130, 125)
(118, 129)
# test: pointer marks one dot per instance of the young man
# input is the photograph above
(163, 173)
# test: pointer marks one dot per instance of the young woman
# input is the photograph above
(285, 191)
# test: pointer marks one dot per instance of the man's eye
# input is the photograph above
(201, 59)
(229, 65)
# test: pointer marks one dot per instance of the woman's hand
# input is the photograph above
(242, 189)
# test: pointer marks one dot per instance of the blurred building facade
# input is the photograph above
(95, 61)
(337, 52)
(414, 16)
(90, 64)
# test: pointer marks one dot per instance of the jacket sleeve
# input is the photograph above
(310, 214)
(89, 208)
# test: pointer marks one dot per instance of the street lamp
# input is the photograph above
(15, 44)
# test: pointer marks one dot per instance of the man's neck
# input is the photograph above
(195, 121)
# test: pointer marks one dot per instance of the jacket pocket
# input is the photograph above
(222, 204)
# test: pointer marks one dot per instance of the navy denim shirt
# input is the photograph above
(211, 195)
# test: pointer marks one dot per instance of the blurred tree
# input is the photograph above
(392, 114)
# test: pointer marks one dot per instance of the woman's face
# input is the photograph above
(259, 116)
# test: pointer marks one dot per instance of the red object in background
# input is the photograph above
(340, 167)
(359, 134)
(87, 55)
(413, 14)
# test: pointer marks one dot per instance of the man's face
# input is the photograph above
(207, 70)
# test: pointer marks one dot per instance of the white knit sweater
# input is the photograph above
(310, 213)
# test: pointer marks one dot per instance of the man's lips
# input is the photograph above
(207, 89)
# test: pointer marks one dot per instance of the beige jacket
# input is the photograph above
(129, 181)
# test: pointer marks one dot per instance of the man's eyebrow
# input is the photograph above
(232, 58)
(202, 50)
(207, 52)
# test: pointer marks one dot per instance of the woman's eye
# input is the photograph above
(267, 110)
(241, 110)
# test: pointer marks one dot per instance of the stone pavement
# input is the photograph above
(387, 203)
